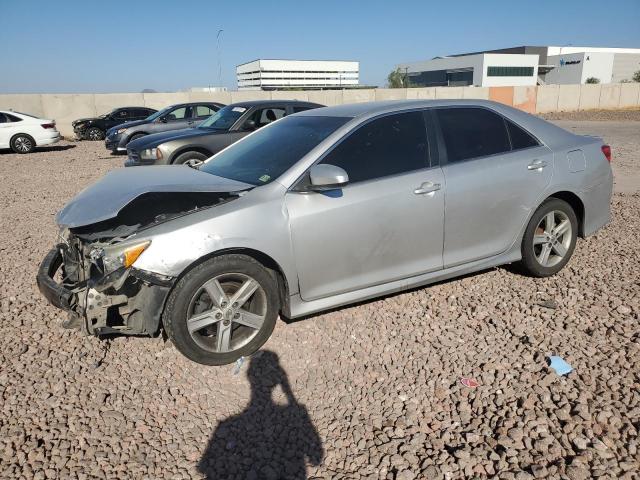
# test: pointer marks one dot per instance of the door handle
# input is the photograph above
(537, 165)
(426, 188)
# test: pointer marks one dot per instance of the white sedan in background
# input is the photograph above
(22, 132)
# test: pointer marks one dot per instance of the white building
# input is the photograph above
(512, 66)
(299, 74)
(207, 89)
(482, 70)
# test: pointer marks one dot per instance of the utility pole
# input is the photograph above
(219, 59)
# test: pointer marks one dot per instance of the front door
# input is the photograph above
(495, 173)
(385, 225)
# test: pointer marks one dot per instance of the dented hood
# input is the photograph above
(105, 198)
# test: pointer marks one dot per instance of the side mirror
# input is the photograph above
(249, 125)
(327, 177)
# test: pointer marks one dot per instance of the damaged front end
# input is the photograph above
(91, 273)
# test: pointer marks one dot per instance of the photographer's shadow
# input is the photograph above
(267, 440)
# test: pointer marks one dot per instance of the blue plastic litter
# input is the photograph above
(238, 366)
(559, 365)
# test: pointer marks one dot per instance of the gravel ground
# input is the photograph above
(369, 391)
(629, 114)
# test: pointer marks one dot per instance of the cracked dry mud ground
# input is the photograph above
(368, 391)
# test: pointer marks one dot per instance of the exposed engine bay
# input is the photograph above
(103, 297)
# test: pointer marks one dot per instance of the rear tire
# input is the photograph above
(192, 158)
(549, 239)
(207, 325)
(22, 143)
(95, 133)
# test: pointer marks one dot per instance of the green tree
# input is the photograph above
(592, 80)
(397, 79)
(636, 77)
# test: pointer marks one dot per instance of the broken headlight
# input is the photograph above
(118, 256)
(151, 154)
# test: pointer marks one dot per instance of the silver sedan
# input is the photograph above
(321, 209)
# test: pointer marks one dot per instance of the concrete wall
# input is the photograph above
(64, 108)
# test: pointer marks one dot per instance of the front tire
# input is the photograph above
(135, 136)
(95, 133)
(22, 143)
(549, 239)
(222, 309)
(190, 158)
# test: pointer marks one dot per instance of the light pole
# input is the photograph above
(219, 60)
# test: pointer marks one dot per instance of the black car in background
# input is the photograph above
(96, 128)
(174, 117)
(227, 126)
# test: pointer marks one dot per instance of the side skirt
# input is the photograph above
(300, 308)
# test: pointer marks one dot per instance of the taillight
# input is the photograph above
(48, 125)
(606, 150)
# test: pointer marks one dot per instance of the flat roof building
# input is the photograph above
(513, 66)
(297, 74)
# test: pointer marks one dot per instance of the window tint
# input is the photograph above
(519, 137)
(472, 132)
(3, 119)
(386, 146)
(204, 111)
(122, 114)
(301, 109)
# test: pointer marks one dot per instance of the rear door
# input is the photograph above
(496, 173)
(385, 225)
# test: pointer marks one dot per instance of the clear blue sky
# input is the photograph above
(125, 46)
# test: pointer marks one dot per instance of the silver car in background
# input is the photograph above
(321, 209)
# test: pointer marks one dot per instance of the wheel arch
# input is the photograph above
(576, 204)
(35, 144)
(267, 261)
(189, 148)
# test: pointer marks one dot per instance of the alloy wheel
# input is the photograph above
(193, 162)
(227, 312)
(23, 144)
(94, 134)
(552, 238)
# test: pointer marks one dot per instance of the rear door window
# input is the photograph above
(390, 145)
(472, 132)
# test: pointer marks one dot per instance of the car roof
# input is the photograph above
(353, 110)
(552, 135)
(260, 103)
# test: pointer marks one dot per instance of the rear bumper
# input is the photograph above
(597, 206)
(48, 140)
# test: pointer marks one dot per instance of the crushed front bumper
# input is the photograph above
(55, 293)
(129, 302)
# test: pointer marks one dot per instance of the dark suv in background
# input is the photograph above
(193, 145)
(96, 128)
(174, 117)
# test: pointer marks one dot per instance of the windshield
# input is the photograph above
(266, 154)
(224, 118)
(153, 116)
